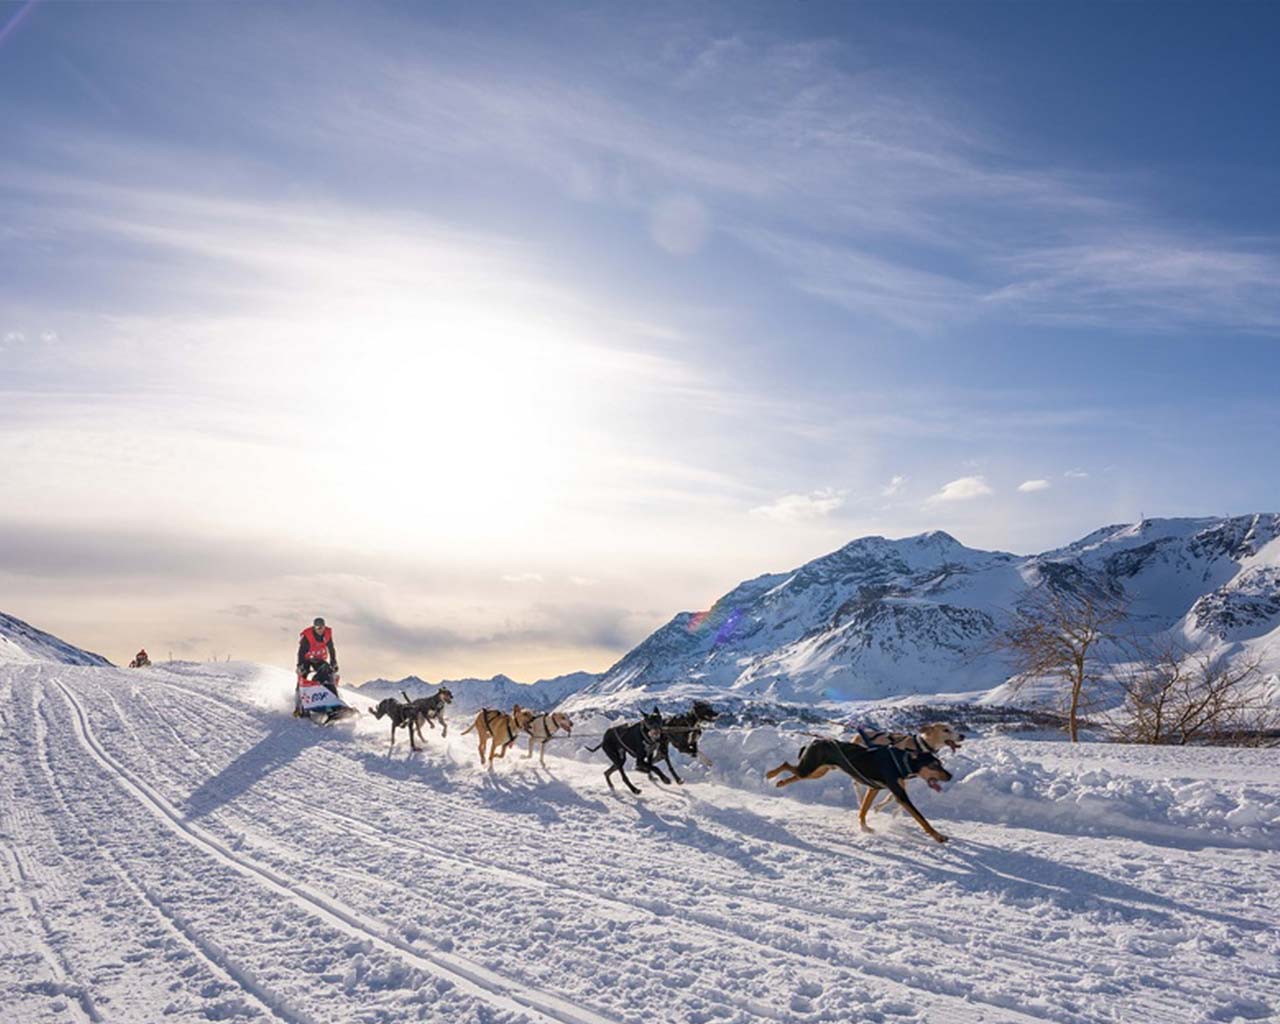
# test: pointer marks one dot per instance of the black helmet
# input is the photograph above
(318, 623)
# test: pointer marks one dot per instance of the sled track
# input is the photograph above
(778, 943)
(470, 978)
(908, 982)
(63, 978)
(1161, 996)
(220, 966)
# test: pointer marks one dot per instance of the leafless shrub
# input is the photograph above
(1061, 636)
(1173, 695)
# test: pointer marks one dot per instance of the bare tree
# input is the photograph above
(1061, 636)
(1174, 695)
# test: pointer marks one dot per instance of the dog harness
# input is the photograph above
(901, 764)
(548, 730)
(498, 715)
(871, 783)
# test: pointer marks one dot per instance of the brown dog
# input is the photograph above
(929, 740)
(876, 767)
(498, 729)
(542, 727)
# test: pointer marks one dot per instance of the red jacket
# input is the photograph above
(313, 647)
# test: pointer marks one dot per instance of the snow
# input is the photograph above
(174, 846)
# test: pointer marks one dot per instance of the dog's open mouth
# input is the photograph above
(934, 785)
(954, 745)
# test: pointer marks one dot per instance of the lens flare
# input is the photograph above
(13, 22)
(725, 623)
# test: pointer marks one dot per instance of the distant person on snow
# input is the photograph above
(317, 658)
(140, 660)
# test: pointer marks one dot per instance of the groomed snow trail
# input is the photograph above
(173, 845)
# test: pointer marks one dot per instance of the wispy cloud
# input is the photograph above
(893, 487)
(1145, 279)
(889, 290)
(1076, 474)
(1031, 486)
(966, 488)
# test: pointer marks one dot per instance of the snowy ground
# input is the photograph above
(174, 846)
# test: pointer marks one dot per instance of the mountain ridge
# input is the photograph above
(22, 642)
(880, 618)
(497, 691)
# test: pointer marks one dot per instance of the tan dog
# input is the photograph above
(542, 727)
(498, 729)
(930, 739)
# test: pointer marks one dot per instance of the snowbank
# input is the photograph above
(998, 780)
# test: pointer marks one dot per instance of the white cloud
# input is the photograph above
(1030, 486)
(964, 489)
(523, 577)
(1076, 474)
(794, 508)
(582, 581)
(893, 487)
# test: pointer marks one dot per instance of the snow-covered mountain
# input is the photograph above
(499, 692)
(21, 642)
(885, 618)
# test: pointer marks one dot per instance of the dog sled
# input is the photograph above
(320, 701)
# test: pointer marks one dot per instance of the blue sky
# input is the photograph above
(499, 334)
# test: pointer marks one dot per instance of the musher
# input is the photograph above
(317, 657)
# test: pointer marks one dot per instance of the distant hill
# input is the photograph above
(21, 642)
(499, 692)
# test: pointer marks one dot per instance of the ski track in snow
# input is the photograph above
(174, 850)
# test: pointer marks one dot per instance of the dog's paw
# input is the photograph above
(939, 837)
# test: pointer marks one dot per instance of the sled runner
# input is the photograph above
(320, 703)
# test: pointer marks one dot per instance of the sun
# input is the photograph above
(463, 423)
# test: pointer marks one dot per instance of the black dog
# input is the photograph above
(683, 732)
(876, 768)
(400, 715)
(640, 740)
(430, 710)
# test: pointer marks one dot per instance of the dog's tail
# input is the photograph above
(596, 747)
(376, 712)
(468, 728)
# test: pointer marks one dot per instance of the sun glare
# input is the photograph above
(462, 423)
